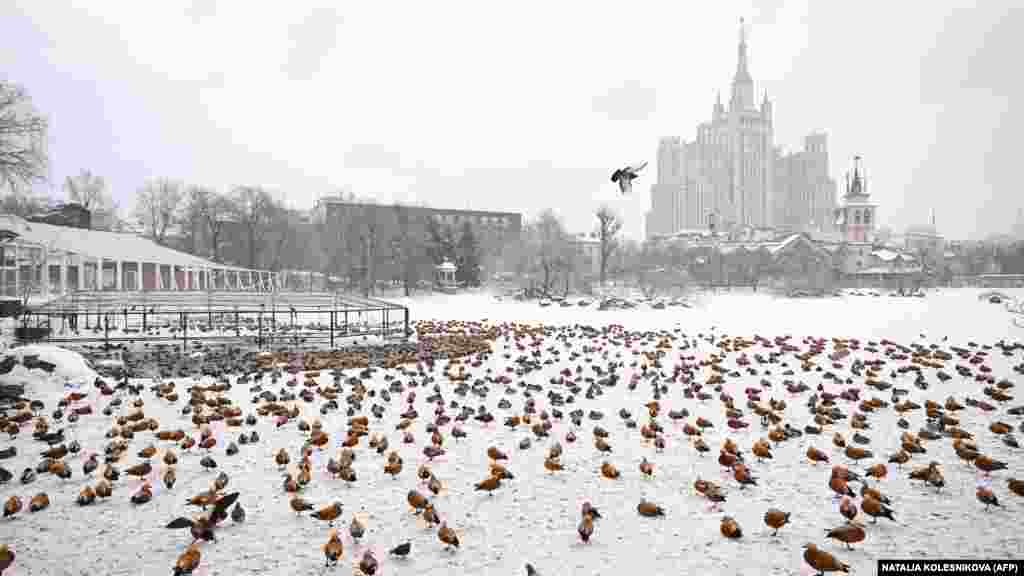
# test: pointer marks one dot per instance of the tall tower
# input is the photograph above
(742, 83)
(855, 217)
(1018, 226)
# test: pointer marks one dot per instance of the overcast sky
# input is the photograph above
(523, 105)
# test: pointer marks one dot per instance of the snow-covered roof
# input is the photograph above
(117, 246)
(887, 270)
(885, 255)
(583, 239)
(848, 203)
(926, 230)
(782, 245)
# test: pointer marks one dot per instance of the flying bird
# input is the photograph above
(624, 176)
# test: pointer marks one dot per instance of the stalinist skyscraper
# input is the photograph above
(732, 173)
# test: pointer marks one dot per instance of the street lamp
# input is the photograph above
(6, 237)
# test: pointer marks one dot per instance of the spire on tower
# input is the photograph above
(742, 72)
(743, 97)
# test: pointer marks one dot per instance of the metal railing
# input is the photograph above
(325, 320)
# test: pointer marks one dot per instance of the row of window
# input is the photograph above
(857, 216)
(496, 221)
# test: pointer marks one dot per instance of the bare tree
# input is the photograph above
(23, 158)
(608, 226)
(29, 282)
(216, 211)
(440, 241)
(255, 209)
(89, 190)
(647, 269)
(549, 251)
(406, 246)
(292, 241)
(317, 252)
(369, 243)
(21, 202)
(157, 204)
(340, 236)
(205, 212)
(190, 220)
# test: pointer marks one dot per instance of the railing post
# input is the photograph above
(125, 318)
(106, 332)
(236, 322)
(145, 326)
(259, 338)
(332, 329)
(184, 332)
(405, 334)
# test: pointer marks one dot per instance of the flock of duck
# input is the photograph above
(307, 404)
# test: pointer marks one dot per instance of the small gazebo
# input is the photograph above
(445, 276)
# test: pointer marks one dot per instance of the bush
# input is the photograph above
(10, 308)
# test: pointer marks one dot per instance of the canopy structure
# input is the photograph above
(445, 276)
(50, 259)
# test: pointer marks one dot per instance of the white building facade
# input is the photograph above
(732, 174)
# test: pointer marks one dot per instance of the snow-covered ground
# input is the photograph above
(941, 312)
(534, 517)
(68, 369)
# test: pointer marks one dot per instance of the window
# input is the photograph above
(867, 216)
(856, 217)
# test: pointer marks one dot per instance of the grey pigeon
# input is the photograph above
(238, 514)
(625, 176)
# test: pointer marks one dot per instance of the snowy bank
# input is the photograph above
(43, 367)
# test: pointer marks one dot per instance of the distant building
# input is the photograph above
(1018, 226)
(496, 233)
(733, 173)
(855, 221)
(54, 260)
(70, 214)
(855, 218)
(927, 245)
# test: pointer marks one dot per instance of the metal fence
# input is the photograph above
(313, 321)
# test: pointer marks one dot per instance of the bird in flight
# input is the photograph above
(624, 176)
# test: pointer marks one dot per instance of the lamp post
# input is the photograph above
(6, 238)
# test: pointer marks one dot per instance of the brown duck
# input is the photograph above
(849, 533)
(776, 519)
(823, 561)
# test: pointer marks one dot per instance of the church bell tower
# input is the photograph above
(855, 216)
